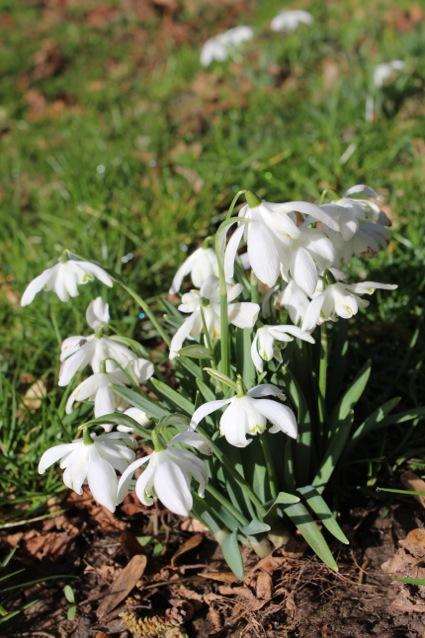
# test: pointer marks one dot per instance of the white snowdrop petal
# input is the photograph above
(172, 488)
(54, 454)
(205, 409)
(282, 418)
(35, 286)
(102, 481)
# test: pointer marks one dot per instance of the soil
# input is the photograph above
(145, 573)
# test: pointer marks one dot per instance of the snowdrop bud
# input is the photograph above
(97, 313)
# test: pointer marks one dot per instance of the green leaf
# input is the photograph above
(408, 580)
(375, 420)
(396, 491)
(311, 533)
(152, 409)
(255, 527)
(173, 396)
(285, 498)
(322, 511)
(232, 554)
(195, 351)
(206, 392)
(223, 378)
(408, 415)
(118, 418)
(69, 593)
(302, 446)
(353, 394)
(333, 453)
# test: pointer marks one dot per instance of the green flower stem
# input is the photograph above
(224, 319)
(227, 504)
(86, 437)
(323, 366)
(240, 480)
(207, 333)
(271, 470)
(145, 307)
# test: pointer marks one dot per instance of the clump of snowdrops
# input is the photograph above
(245, 430)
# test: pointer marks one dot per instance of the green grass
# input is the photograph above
(124, 144)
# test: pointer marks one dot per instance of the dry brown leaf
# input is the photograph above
(103, 517)
(188, 545)
(122, 585)
(264, 586)
(221, 577)
(34, 396)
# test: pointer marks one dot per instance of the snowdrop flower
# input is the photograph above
(263, 344)
(200, 265)
(362, 224)
(275, 241)
(222, 46)
(97, 314)
(249, 413)
(294, 300)
(64, 278)
(340, 300)
(290, 20)
(99, 387)
(95, 462)
(101, 353)
(384, 72)
(168, 474)
(206, 302)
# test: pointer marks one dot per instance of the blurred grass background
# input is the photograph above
(118, 145)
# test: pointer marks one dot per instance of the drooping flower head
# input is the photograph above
(200, 265)
(220, 47)
(95, 462)
(263, 346)
(101, 353)
(339, 300)
(64, 278)
(168, 474)
(249, 413)
(204, 306)
(279, 243)
(289, 20)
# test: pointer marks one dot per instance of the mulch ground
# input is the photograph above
(145, 573)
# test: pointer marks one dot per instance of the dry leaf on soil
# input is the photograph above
(122, 585)
(188, 545)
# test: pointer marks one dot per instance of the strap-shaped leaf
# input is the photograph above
(283, 498)
(173, 396)
(308, 528)
(353, 394)
(232, 554)
(375, 420)
(319, 506)
(195, 351)
(333, 453)
(118, 418)
(302, 446)
(206, 392)
(152, 409)
(255, 527)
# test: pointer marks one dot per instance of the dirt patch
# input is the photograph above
(145, 574)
